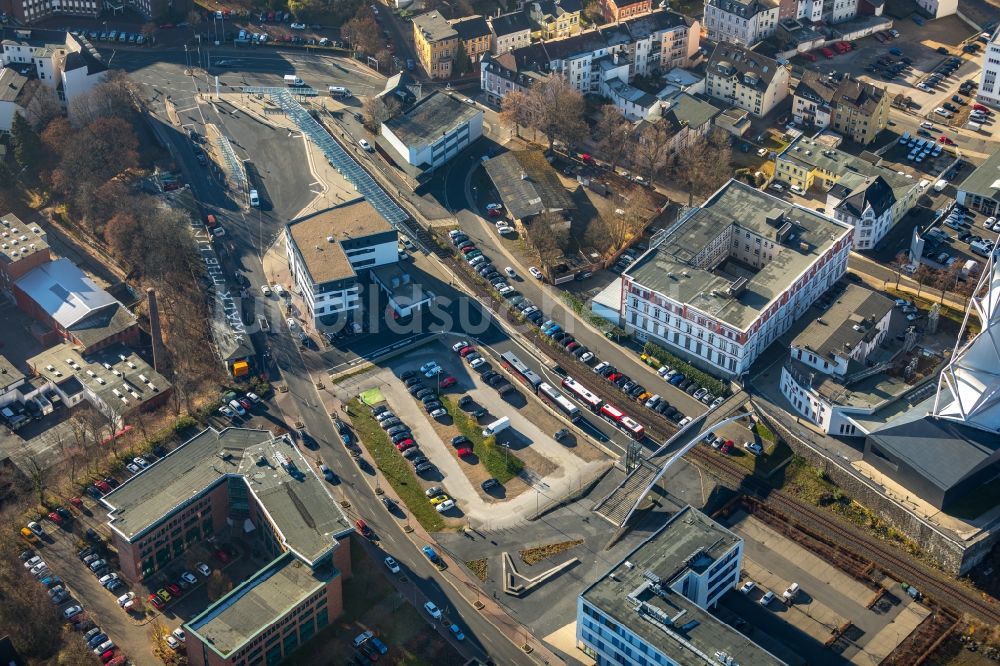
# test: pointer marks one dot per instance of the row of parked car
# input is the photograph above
(120, 36)
(477, 362)
(400, 433)
(626, 258)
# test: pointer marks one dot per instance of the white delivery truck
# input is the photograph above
(292, 80)
(497, 426)
(940, 185)
(339, 91)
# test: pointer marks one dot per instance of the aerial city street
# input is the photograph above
(544, 333)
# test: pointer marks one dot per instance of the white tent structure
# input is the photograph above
(969, 387)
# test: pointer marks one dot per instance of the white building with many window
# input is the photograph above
(989, 82)
(745, 79)
(330, 253)
(68, 64)
(652, 607)
(729, 277)
(433, 131)
(743, 22)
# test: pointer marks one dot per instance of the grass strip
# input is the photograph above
(394, 467)
(499, 462)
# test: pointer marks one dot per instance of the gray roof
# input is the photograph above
(259, 602)
(471, 27)
(508, 24)
(11, 84)
(732, 60)
(305, 517)
(118, 376)
(689, 541)
(875, 192)
(689, 111)
(849, 320)
(427, 120)
(743, 8)
(12, 230)
(434, 27)
(527, 183)
(943, 451)
(9, 374)
(816, 87)
(670, 268)
(985, 180)
(64, 292)
(812, 154)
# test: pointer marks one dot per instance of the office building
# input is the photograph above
(432, 132)
(739, 77)
(331, 251)
(980, 191)
(652, 607)
(731, 276)
(988, 92)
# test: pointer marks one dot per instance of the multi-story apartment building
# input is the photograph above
(475, 37)
(732, 276)
(510, 31)
(67, 64)
(619, 10)
(594, 60)
(745, 79)
(830, 353)
(330, 252)
(744, 22)
(989, 80)
(853, 108)
(436, 43)
(30, 11)
(652, 606)
(554, 19)
(939, 8)
(244, 482)
(855, 187)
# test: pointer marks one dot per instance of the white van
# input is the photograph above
(790, 593)
(339, 91)
(254, 199)
(292, 80)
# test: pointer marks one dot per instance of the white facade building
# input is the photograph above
(331, 251)
(989, 81)
(652, 607)
(67, 64)
(939, 8)
(745, 79)
(732, 276)
(832, 352)
(744, 22)
(433, 131)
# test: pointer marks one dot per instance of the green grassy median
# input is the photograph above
(502, 465)
(396, 469)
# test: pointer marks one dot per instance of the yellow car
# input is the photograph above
(440, 498)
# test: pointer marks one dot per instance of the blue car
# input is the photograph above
(431, 555)
(378, 645)
(677, 379)
(97, 640)
(553, 330)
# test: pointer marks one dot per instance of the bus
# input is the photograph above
(520, 370)
(618, 418)
(558, 400)
(592, 402)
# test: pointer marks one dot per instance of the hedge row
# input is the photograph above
(661, 356)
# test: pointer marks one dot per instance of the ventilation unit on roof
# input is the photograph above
(152, 386)
(91, 373)
(101, 381)
(784, 232)
(135, 395)
(123, 399)
(130, 364)
(144, 378)
(107, 366)
(116, 372)
(737, 288)
(121, 357)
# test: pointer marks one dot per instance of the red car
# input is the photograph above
(222, 555)
(464, 452)
(586, 158)
(809, 56)
(826, 52)
(614, 376)
(104, 487)
(727, 446)
(156, 602)
(76, 501)
(946, 141)
(108, 655)
(363, 528)
(980, 107)
(466, 351)
(55, 518)
(405, 444)
(494, 212)
(448, 382)
(245, 404)
(174, 589)
(468, 249)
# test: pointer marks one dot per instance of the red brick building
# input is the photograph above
(619, 10)
(23, 248)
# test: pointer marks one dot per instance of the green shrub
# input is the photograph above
(498, 461)
(715, 386)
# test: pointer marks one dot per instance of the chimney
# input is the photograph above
(154, 330)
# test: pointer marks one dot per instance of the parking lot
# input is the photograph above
(549, 465)
(869, 622)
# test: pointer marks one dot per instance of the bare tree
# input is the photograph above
(615, 135)
(923, 275)
(113, 98)
(42, 105)
(555, 108)
(704, 163)
(515, 111)
(652, 150)
(897, 264)
(36, 472)
(633, 211)
(549, 235)
(377, 110)
(362, 32)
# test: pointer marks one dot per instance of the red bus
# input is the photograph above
(623, 422)
(582, 394)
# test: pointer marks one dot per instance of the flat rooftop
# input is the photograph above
(9, 373)
(431, 118)
(307, 519)
(670, 267)
(258, 602)
(404, 292)
(849, 321)
(118, 376)
(813, 154)
(19, 240)
(985, 180)
(662, 617)
(319, 236)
